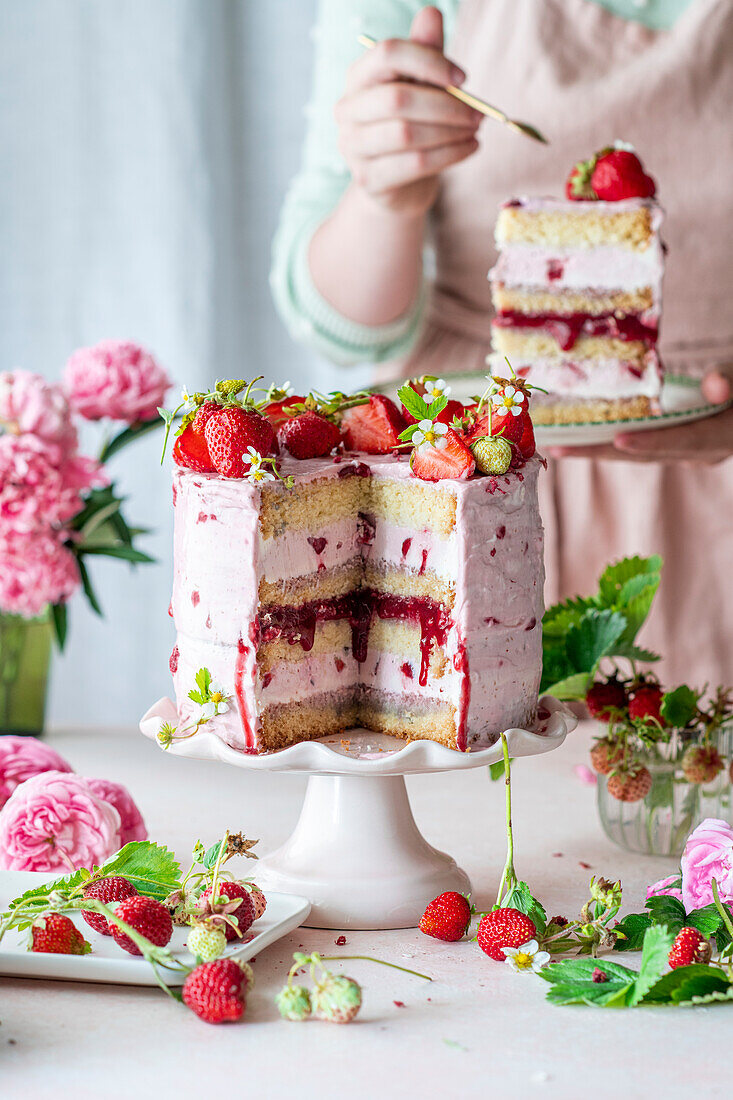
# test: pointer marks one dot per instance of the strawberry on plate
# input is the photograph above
(441, 454)
(230, 431)
(373, 427)
(56, 934)
(309, 435)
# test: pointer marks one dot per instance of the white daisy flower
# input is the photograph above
(430, 433)
(256, 473)
(626, 145)
(528, 957)
(437, 388)
(217, 702)
(509, 399)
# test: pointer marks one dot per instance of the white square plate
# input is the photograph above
(108, 962)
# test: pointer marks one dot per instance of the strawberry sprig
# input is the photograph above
(424, 412)
(227, 392)
(330, 405)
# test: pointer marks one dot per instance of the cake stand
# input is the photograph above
(356, 852)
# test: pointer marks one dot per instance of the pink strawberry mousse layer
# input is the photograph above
(588, 379)
(492, 559)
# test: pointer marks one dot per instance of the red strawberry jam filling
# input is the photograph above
(567, 329)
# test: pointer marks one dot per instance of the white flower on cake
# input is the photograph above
(430, 433)
(528, 957)
(436, 388)
(256, 472)
(625, 145)
(509, 399)
(216, 703)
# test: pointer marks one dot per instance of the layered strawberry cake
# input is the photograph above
(341, 562)
(577, 290)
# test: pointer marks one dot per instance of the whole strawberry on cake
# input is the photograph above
(341, 562)
(577, 290)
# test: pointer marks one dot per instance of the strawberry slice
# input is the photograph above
(454, 460)
(230, 432)
(191, 450)
(526, 446)
(373, 428)
(275, 410)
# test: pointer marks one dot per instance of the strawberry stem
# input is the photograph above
(509, 875)
(369, 958)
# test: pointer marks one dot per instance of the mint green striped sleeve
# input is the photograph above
(321, 182)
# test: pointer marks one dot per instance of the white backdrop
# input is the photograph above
(146, 146)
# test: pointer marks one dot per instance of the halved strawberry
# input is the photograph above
(275, 410)
(230, 431)
(526, 446)
(373, 428)
(309, 435)
(191, 450)
(454, 460)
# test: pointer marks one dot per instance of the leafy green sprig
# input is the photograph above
(418, 407)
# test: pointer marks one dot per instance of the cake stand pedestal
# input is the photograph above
(356, 852)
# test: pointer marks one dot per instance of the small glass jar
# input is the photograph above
(659, 824)
(25, 653)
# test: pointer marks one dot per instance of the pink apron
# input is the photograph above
(587, 77)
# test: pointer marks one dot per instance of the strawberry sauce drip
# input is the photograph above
(239, 670)
(173, 662)
(567, 329)
(460, 663)
(406, 547)
(424, 562)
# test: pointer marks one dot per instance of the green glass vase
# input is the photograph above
(25, 655)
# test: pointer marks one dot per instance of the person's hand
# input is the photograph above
(707, 441)
(398, 128)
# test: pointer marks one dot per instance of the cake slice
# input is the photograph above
(577, 293)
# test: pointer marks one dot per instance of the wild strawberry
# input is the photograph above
(244, 912)
(108, 890)
(249, 977)
(337, 999)
(294, 1002)
(447, 917)
(645, 702)
(259, 901)
(604, 697)
(450, 458)
(191, 450)
(309, 435)
(630, 784)
(55, 934)
(275, 410)
(492, 453)
(148, 917)
(203, 414)
(230, 431)
(206, 942)
(689, 947)
(504, 928)
(702, 763)
(373, 428)
(606, 755)
(215, 991)
(618, 174)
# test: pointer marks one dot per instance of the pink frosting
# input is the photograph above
(115, 379)
(708, 855)
(23, 757)
(55, 822)
(132, 826)
(28, 403)
(35, 570)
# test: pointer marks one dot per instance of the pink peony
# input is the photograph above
(708, 854)
(35, 570)
(55, 822)
(30, 404)
(115, 379)
(664, 887)
(133, 826)
(40, 486)
(23, 757)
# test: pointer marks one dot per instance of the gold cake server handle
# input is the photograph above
(477, 104)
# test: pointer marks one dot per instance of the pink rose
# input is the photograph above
(664, 887)
(55, 822)
(30, 404)
(132, 825)
(708, 855)
(23, 757)
(40, 486)
(35, 570)
(115, 379)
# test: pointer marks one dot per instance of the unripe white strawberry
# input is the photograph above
(206, 943)
(294, 1002)
(493, 454)
(337, 1000)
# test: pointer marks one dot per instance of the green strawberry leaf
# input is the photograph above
(666, 910)
(609, 994)
(681, 985)
(520, 897)
(151, 868)
(707, 921)
(656, 947)
(555, 665)
(572, 687)
(679, 706)
(635, 652)
(582, 970)
(413, 402)
(561, 616)
(64, 886)
(593, 638)
(616, 576)
(633, 929)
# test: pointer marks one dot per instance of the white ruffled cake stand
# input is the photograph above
(356, 852)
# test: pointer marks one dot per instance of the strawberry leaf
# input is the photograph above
(655, 950)
(632, 928)
(151, 868)
(520, 897)
(593, 638)
(679, 706)
(413, 402)
(688, 982)
(664, 909)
